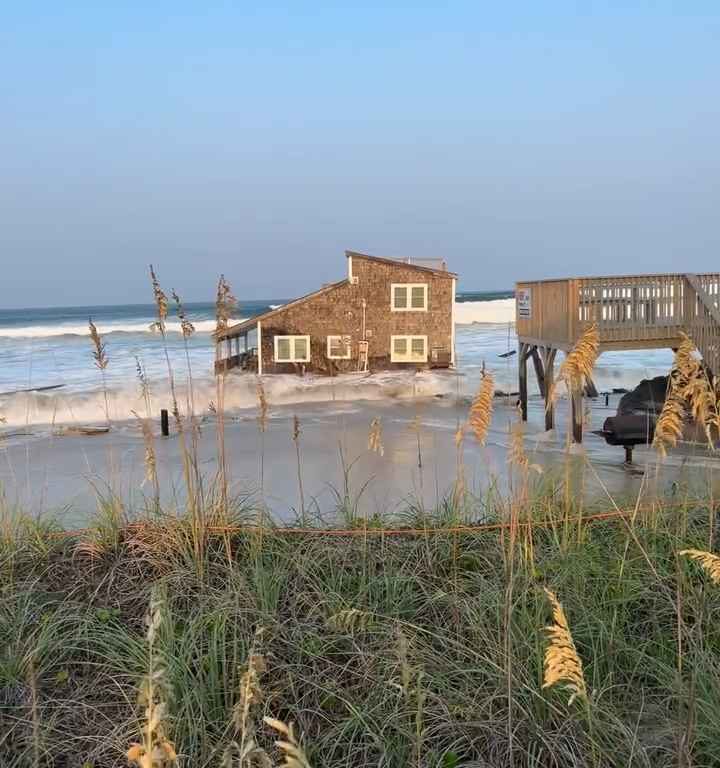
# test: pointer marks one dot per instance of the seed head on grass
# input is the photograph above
(225, 304)
(161, 303)
(669, 426)
(563, 665)
(186, 327)
(262, 405)
(349, 621)
(143, 383)
(710, 563)
(154, 750)
(150, 456)
(695, 387)
(517, 456)
(243, 751)
(293, 754)
(578, 366)
(375, 443)
(480, 415)
(99, 353)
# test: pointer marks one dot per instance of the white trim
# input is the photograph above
(349, 347)
(350, 274)
(409, 287)
(452, 324)
(259, 343)
(408, 356)
(293, 357)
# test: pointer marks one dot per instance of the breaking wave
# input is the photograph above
(240, 392)
(496, 311)
(105, 329)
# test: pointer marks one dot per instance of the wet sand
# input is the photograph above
(61, 475)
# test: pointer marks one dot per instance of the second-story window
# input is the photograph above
(409, 297)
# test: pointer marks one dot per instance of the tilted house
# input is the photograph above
(386, 314)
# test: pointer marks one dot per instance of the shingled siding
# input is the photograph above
(339, 313)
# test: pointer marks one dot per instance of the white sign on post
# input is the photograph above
(523, 299)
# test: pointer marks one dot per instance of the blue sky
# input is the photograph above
(517, 140)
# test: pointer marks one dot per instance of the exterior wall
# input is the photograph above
(339, 312)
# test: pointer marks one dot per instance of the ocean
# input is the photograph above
(47, 373)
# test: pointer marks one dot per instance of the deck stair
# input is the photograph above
(631, 312)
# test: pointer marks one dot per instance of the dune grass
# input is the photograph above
(382, 650)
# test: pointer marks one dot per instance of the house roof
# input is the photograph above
(245, 325)
(238, 328)
(404, 262)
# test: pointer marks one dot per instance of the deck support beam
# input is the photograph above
(522, 379)
(539, 369)
(577, 416)
(590, 388)
(548, 354)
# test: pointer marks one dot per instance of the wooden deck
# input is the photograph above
(631, 312)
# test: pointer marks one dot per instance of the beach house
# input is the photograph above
(386, 314)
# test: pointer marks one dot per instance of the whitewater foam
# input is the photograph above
(105, 329)
(240, 392)
(497, 311)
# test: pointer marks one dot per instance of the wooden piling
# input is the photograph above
(164, 423)
(522, 380)
(549, 369)
(577, 416)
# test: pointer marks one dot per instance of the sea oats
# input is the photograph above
(154, 750)
(375, 443)
(578, 366)
(563, 665)
(150, 459)
(709, 562)
(349, 620)
(186, 327)
(263, 405)
(161, 303)
(225, 304)
(293, 754)
(144, 384)
(99, 353)
(669, 426)
(517, 455)
(480, 416)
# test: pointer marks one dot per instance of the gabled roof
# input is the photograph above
(238, 328)
(407, 263)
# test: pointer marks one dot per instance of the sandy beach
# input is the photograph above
(62, 476)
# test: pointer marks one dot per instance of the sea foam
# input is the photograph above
(497, 311)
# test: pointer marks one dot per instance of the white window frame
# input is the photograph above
(408, 357)
(409, 287)
(293, 357)
(330, 356)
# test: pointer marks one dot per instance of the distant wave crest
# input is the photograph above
(497, 311)
(49, 331)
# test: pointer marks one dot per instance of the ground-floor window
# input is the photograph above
(338, 347)
(292, 349)
(408, 349)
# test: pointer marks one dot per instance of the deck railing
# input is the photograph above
(633, 311)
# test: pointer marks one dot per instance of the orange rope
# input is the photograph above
(613, 514)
